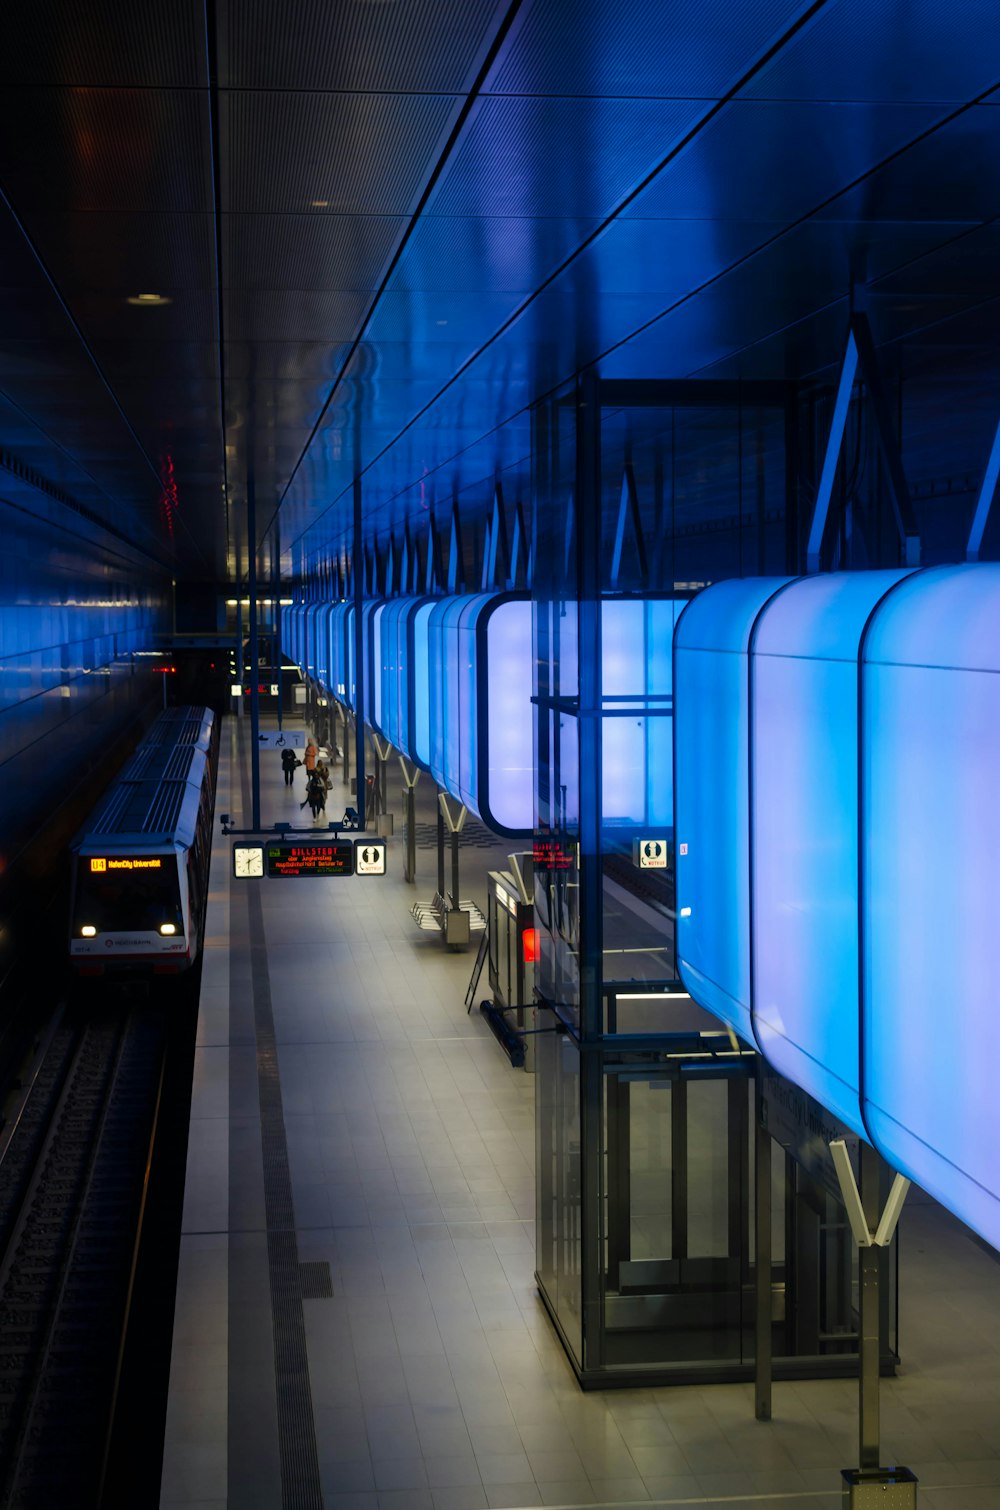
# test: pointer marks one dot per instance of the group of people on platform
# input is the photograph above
(317, 776)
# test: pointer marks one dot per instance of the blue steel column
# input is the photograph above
(254, 657)
(588, 565)
(359, 650)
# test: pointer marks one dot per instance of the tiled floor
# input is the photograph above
(436, 1380)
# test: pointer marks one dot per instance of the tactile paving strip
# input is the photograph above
(300, 1476)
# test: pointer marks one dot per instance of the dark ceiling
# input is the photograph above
(384, 227)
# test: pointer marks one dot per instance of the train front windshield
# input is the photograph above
(127, 894)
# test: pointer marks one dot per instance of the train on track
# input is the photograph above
(140, 864)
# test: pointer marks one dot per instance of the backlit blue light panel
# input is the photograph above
(403, 717)
(637, 745)
(480, 726)
(930, 882)
(340, 623)
(711, 751)
(804, 815)
(420, 624)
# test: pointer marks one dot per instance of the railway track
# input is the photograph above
(73, 1165)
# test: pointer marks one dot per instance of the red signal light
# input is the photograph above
(530, 946)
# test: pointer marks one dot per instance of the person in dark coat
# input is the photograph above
(289, 761)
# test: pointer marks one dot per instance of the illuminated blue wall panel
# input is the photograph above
(509, 716)
(804, 816)
(480, 724)
(711, 750)
(420, 748)
(637, 744)
(403, 696)
(930, 881)
(874, 847)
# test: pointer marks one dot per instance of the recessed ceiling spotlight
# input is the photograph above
(319, 204)
(148, 299)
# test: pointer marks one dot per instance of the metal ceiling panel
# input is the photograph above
(106, 43)
(293, 314)
(114, 252)
(105, 149)
(558, 157)
(317, 250)
(407, 46)
(493, 254)
(350, 154)
(275, 361)
(967, 268)
(457, 322)
(122, 361)
(759, 160)
(951, 175)
(603, 47)
(897, 50)
(189, 316)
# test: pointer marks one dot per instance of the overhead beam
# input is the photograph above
(902, 504)
(985, 501)
(834, 441)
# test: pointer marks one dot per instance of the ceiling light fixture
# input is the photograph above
(319, 204)
(150, 301)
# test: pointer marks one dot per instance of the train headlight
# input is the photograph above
(88, 932)
(167, 929)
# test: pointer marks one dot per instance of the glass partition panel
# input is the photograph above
(558, 1227)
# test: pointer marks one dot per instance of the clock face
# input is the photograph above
(248, 860)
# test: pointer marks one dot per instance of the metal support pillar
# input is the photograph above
(359, 652)
(892, 1486)
(869, 1257)
(410, 779)
(440, 845)
(588, 563)
(276, 653)
(254, 656)
(239, 651)
(762, 1267)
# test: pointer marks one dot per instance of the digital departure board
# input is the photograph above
(288, 858)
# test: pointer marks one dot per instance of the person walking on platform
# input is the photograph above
(289, 760)
(315, 794)
(310, 758)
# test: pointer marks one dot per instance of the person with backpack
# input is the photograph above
(315, 794)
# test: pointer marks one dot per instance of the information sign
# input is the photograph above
(369, 858)
(292, 859)
(288, 739)
(650, 854)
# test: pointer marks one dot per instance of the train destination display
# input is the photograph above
(289, 858)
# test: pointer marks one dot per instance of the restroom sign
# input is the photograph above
(650, 854)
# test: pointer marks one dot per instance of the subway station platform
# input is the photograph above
(356, 1322)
